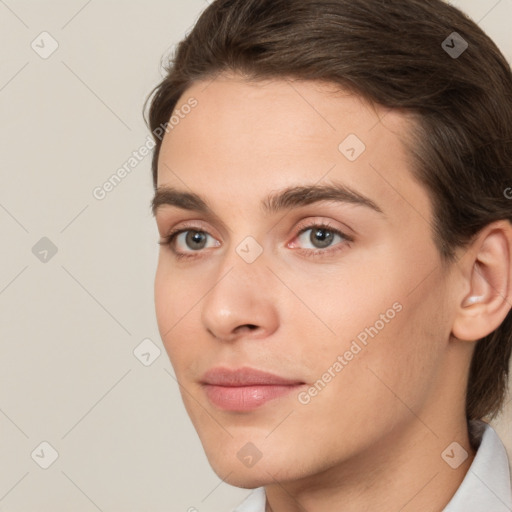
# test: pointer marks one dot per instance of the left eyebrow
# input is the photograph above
(296, 197)
(286, 199)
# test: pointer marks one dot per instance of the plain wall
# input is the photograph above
(69, 325)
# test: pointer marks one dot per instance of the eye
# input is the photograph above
(184, 242)
(320, 237)
(189, 241)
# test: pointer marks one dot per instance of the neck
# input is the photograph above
(404, 471)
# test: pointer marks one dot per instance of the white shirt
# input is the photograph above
(485, 488)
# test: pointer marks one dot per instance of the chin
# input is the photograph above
(245, 481)
(234, 472)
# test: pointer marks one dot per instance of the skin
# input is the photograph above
(372, 439)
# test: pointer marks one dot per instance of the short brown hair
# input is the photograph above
(392, 54)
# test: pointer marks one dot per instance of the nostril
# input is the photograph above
(250, 327)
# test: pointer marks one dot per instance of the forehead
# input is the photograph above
(278, 114)
(245, 138)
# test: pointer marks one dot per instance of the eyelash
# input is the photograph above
(170, 238)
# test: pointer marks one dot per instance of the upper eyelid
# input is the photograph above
(196, 226)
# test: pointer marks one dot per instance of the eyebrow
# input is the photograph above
(286, 199)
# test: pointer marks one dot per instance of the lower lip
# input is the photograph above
(245, 398)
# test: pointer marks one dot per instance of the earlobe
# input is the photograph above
(487, 270)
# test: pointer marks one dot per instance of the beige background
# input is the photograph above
(69, 326)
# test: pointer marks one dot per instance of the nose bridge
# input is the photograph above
(244, 261)
(241, 294)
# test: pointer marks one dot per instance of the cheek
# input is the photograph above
(363, 393)
(402, 360)
(177, 293)
(382, 324)
(175, 301)
(331, 308)
(165, 302)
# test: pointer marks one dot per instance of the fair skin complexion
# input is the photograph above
(372, 438)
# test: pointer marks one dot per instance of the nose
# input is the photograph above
(242, 301)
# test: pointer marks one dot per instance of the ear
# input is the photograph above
(486, 268)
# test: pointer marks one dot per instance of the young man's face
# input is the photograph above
(358, 323)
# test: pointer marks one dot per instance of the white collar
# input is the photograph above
(485, 488)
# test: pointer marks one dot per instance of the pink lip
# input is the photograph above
(245, 388)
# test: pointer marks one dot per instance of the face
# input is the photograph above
(337, 293)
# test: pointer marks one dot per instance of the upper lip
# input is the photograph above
(244, 377)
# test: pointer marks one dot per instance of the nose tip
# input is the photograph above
(241, 304)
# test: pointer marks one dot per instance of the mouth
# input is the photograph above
(245, 389)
